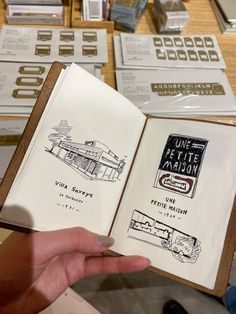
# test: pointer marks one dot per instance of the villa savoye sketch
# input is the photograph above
(92, 159)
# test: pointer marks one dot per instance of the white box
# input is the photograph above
(35, 14)
(92, 10)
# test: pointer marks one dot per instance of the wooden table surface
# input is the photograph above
(202, 21)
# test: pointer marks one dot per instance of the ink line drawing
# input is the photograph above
(184, 247)
(93, 160)
(180, 164)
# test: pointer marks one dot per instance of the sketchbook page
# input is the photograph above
(77, 166)
(70, 302)
(179, 197)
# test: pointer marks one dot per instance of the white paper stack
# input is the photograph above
(225, 12)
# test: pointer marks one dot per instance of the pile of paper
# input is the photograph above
(225, 12)
(126, 14)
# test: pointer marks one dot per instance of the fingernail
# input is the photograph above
(104, 241)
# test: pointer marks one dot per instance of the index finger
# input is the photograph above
(49, 244)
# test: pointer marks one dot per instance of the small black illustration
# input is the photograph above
(180, 164)
(184, 247)
(92, 160)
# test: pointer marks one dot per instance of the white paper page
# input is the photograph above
(177, 91)
(171, 51)
(70, 302)
(179, 219)
(80, 182)
(24, 44)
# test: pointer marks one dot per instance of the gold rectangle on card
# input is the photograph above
(208, 42)
(66, 50)
(89, 51)
(29, 81)
(67, 35)
(213, 56)
(157, 42)
(44, 35)
(178, 42)
(188, 42)
(89, 36)
(31, 69)
(9, 140)
(42, 50)
(25, 93)
(161, 54)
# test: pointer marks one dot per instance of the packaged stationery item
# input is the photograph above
(178, 92)
(170, 16)
(45, 45)
(126, 14)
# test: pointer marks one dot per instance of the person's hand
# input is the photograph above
(36, 268)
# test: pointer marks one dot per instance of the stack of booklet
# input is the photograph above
(173, 74)
(225, 12)
(126, 14)
(26, 55)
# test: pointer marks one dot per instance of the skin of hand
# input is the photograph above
(36, 268)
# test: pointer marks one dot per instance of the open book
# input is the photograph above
(161, 187)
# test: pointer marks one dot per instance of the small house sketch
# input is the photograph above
(92, 159)
(184, 247)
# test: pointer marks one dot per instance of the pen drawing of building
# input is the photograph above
(92, 159)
